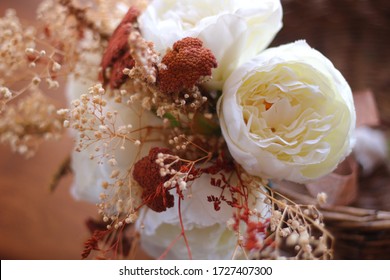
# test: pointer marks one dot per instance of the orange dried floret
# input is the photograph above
(186, 64)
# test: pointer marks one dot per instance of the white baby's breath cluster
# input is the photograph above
(15, 42)
(25, 125)
(300, 230)
(178, 177)
(144, 55)
(94, 123)
(32, 59)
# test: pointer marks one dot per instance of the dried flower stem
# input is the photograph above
(183, 230)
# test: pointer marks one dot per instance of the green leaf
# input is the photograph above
(205, 126)
(174, 122)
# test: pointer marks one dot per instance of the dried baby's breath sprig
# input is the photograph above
(145, 57)
(281, 229)
(17, 45)
(100, 134)
(96, 125)
(71, 34)
(142, 76)
(31, 56)
(5, 96)
(156, 174)
(181, 107)
(110, 243)
(81, 16)
(192, 135)
(29, 122)
(121, 200)
(296, 231)
(161, 171)
(16, 41)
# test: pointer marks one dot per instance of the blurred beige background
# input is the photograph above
(37, 224)
(34, 223)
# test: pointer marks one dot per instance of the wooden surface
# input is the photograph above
(34, 223)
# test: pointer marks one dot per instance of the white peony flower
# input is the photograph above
(288, 114)
(206, 229)
(235, 31)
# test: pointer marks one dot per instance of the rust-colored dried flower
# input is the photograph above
(147, 174)
(116, 56)
(186, 64)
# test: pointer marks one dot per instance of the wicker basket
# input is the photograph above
(361, 230)
(355, 36)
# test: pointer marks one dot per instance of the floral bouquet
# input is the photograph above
(184, 122)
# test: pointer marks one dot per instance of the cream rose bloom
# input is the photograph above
(235, 31)
(206, 229)
(288, 114)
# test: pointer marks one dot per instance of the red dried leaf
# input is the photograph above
(217, 206)
(255, 233)
(92, 242)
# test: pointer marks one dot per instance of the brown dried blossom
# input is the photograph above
(117, 57)
(147, 174)
(186, 64)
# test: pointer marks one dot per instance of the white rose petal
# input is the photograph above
(288, 114)
(235, 31)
